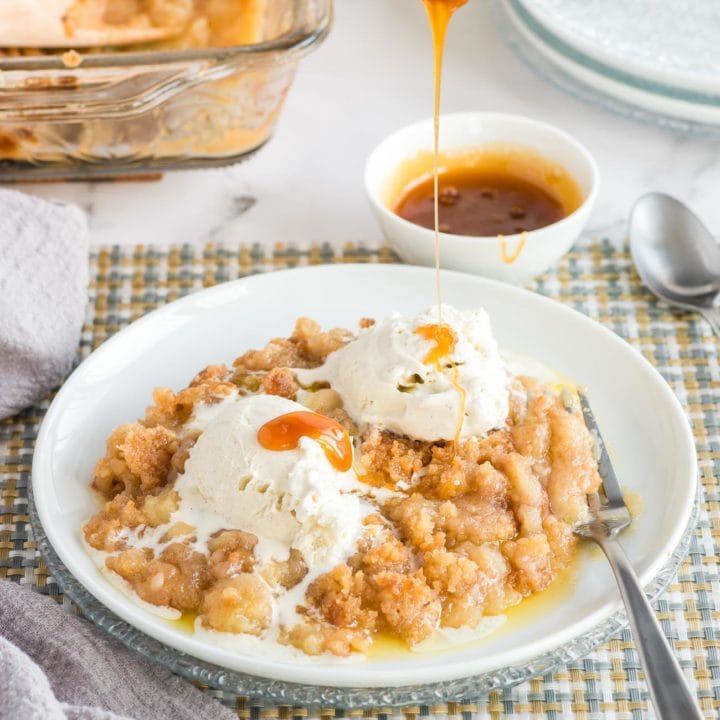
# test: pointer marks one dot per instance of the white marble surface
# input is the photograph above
(372, 76)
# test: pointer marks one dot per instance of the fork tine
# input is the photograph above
(611, 486)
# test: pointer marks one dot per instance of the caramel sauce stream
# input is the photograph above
(439, 13)
(284, 433)
(445, 339)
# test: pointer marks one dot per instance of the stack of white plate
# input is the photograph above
(652, 59)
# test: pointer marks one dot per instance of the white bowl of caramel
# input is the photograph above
(513, 193)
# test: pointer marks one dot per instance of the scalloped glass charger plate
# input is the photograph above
(644, 425)
(650, 59)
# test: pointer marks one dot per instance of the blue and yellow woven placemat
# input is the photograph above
(595, 278)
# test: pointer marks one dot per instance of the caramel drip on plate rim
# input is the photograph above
(439, 13)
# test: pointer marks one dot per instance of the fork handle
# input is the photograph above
(666, 681)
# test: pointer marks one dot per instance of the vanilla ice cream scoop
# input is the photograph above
(395, 377)
(292, 498)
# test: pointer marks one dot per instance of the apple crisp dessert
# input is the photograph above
(261, 501)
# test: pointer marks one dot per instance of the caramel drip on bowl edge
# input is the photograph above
(507, 257)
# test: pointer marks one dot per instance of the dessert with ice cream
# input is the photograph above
(384, 378)
(332, 488)
(296, 499)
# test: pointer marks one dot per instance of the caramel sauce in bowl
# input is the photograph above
(532, 169)
(498, 190)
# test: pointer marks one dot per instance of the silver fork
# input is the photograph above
(669, 690)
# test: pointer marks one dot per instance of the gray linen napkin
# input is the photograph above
(43, 294)
(69, 670)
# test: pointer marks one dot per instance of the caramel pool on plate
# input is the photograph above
(498, 190)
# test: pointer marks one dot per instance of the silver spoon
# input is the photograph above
(675, 255)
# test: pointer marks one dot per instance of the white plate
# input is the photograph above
(654, 89)
(656, 42)
(641, 419)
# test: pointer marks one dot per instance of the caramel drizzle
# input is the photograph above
(439, 13)
(444, 339)
(511, 258)
(284, 433)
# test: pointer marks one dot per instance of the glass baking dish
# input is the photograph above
(132, 112)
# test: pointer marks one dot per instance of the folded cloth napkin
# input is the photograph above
(69, 670)
(43, 295)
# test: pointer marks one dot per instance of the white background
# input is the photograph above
(373, 75)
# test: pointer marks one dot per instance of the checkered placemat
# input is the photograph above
(595, 278)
